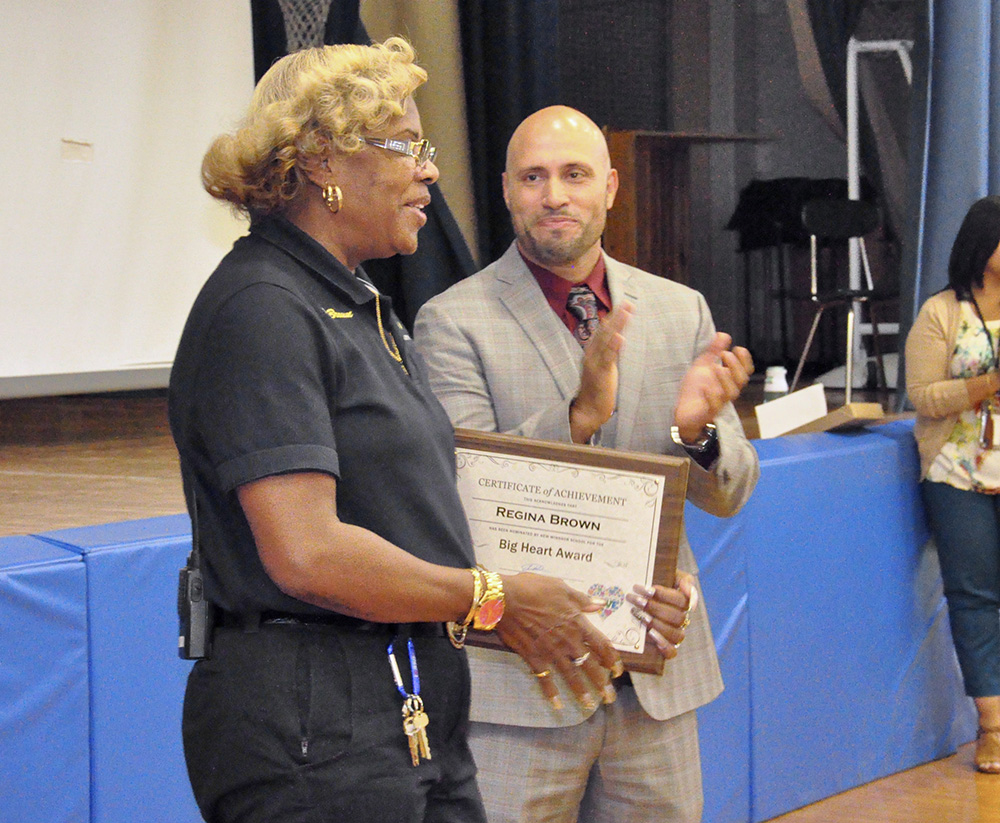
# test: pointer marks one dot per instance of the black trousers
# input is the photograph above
(303, 724)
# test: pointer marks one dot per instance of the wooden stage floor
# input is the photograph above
(77, 461)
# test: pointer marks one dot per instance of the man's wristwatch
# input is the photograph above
(708, 436)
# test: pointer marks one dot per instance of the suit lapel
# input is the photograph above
(522, 297)
(624, 286)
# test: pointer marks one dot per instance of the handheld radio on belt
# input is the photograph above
(195, 615)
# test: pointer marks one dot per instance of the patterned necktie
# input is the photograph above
(582, 304)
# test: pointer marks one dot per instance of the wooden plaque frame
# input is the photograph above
(674, 471)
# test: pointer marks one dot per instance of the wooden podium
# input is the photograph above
(650, 224)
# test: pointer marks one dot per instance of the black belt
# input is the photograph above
(252, 621)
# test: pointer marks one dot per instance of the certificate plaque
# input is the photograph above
(601, 520)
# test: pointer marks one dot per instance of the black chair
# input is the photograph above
(838, 220)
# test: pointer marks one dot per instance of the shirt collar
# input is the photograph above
(556, 289)
(288, 237)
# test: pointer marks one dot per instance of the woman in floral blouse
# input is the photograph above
(953, 381)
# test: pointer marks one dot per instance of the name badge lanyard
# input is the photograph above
(988, 428)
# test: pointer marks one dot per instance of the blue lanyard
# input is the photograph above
(413, 668)
(993, 351)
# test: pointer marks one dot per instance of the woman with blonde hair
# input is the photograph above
(319, 472)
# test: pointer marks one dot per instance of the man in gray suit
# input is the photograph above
(521, 347)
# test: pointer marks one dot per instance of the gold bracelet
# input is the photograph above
(477, 595)
(457, 631)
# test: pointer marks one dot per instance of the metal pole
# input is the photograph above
(854, 48)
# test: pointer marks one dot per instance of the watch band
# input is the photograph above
(487, 606)
(491, 605)
(702, 444)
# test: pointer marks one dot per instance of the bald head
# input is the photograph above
(558, 125)
(558, 187)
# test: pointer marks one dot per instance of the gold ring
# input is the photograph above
(583, 658)
(542, 673)
(687, 620)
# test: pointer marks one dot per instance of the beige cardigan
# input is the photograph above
(938, 398)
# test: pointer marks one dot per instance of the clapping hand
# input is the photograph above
(716, 377)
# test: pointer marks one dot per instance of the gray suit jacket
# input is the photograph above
(499, 359)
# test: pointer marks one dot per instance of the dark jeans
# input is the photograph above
(966, 528)
(303, 724)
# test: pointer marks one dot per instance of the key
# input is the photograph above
(415, 722)
(411, 738)
(420, 721)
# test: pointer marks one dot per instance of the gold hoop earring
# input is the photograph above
(333, 197)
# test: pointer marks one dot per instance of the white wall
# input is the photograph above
(107, 234)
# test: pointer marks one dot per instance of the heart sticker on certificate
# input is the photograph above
(612, 596)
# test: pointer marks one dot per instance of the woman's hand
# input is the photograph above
(665, 612)
(545, 623)
(982, 387)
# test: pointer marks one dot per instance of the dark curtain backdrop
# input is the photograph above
(342, 24)
(613, 64)
(912, 235)
(834, 22)
(443, 256)
(887, 101)
(510, 54)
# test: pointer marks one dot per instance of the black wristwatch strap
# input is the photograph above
(706, 451)
(709, 435)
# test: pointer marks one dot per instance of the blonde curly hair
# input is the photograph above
(307, 103)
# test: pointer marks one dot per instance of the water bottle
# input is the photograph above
(775, 383)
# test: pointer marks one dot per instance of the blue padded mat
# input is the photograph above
(720, 548)
(44, 684)
(137, 678)
(853, 675)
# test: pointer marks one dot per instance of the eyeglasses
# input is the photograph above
(419, 150)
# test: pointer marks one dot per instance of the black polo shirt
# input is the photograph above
(281, 368)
